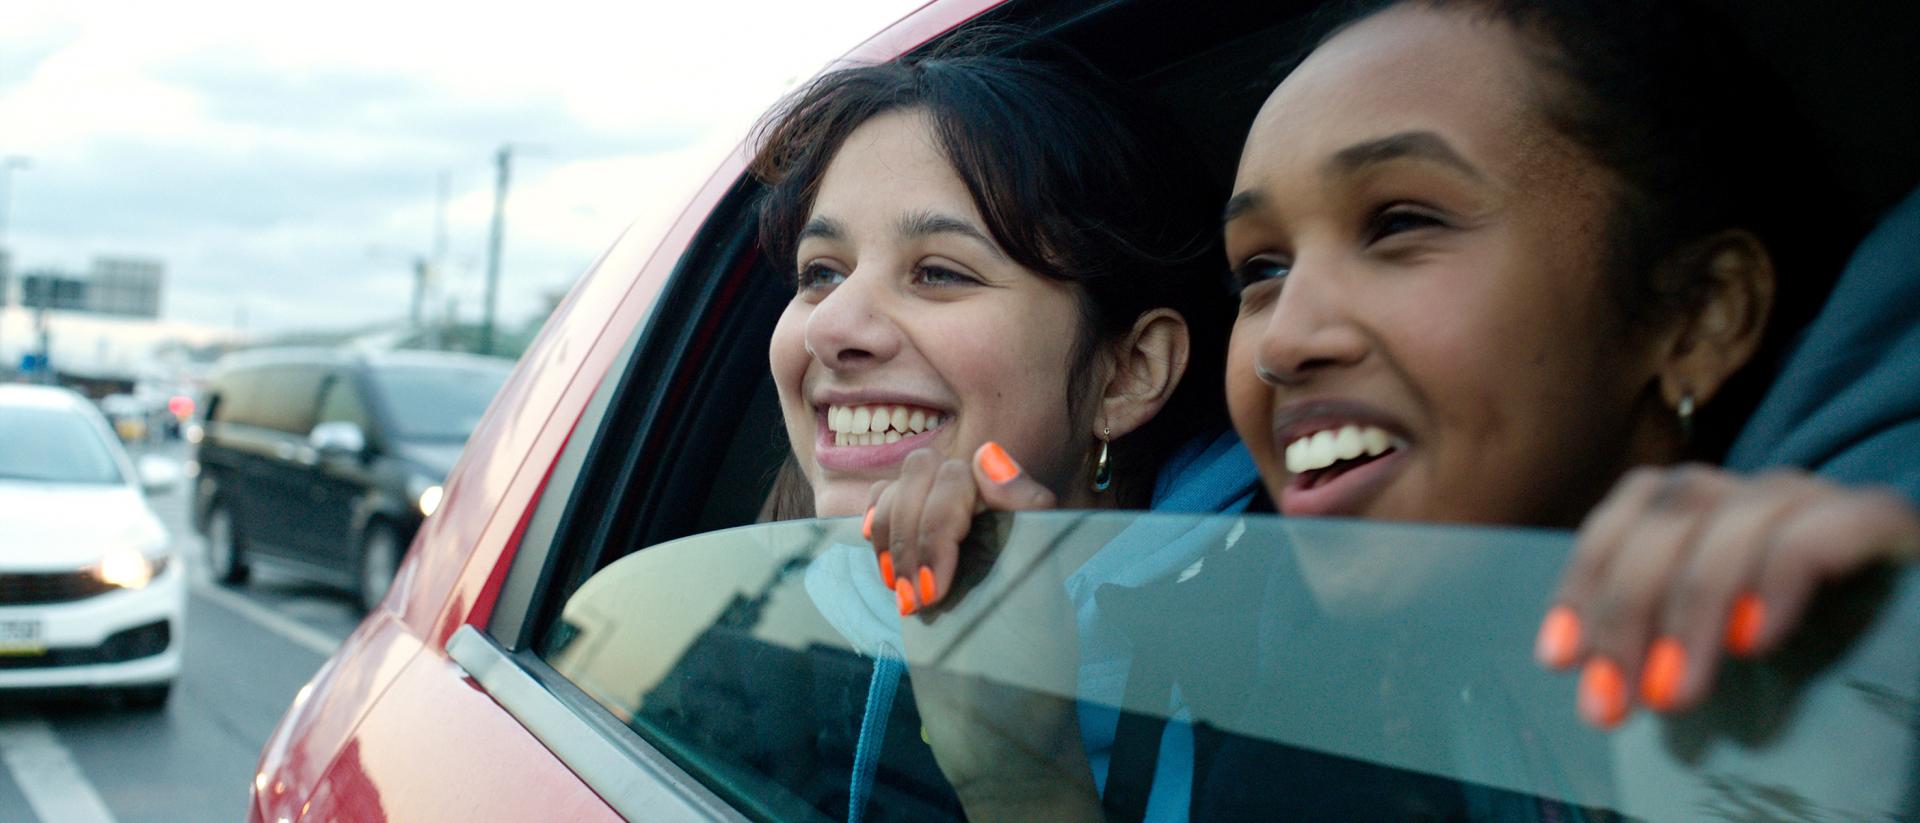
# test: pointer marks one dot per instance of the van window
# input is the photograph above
(340, 402)
(286, 397)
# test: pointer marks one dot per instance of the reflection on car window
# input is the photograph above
(437, 403)
(1320, 669)
(53, 446)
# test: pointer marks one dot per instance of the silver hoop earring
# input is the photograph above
(1684, 411)
(1102, 469)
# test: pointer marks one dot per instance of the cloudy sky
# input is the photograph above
(283, 160)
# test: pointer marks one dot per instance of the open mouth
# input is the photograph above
(880, 424)
(1317, 459)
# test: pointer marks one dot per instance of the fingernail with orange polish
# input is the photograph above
(1743, 624)
(998, 466)
(886, 567)
(903, 592)
(1661, 675)
(926, 585)
(1603, 693)
(1559, 638)
(866, 526)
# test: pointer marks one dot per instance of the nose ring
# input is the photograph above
(1267, 376)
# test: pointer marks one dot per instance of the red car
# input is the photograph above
(530, 663)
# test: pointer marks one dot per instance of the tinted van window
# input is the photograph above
(437, 402)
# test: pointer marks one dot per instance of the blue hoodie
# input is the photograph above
(1846, 404)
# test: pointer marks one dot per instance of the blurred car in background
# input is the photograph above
(91, 596)
(132, 419)
(325, 462)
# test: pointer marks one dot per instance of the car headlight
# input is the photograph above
(426, 495)
(129, 568)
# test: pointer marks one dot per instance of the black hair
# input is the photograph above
(1076, 180)
(1702, 136)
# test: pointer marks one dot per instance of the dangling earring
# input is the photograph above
(1684, 411)
(1103, 470)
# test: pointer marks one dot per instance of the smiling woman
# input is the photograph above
(1510, 263)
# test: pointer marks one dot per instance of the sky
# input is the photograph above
(284, 160)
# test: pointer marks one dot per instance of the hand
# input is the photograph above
(1678, 563)
(916, 522)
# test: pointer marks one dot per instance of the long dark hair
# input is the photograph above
(1702, 136)
(1075, 179)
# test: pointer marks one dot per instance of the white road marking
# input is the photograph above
(45, 772)
(306, 636)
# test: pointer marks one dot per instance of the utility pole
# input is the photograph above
(7, 165)
(502, 161)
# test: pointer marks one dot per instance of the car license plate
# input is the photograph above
(21, 638)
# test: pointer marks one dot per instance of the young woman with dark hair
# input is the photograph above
(1006, 296)
(1544, 252)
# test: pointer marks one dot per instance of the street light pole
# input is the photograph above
(7, 165)
(502, 160)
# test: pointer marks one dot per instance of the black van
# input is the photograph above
(325, 462)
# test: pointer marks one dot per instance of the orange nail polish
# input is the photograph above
(999, 467)
(1661, 675)
(1559, 638)
(903, 592)
(866, 526)
(1603, 693)
(886, 567)
(1743, 624)
(926, 585)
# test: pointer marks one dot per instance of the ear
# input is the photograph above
(1147, 366)
(1722, 329)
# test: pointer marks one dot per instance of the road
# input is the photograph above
(247, 652)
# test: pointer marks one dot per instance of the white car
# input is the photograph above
(91, 595)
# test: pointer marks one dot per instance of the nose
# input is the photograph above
(1312, 329)
(853, 328)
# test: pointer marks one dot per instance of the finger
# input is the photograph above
(1622, 613)
(1835, 534)
(883, 556)
(1002, 483)
(1723, 563)
(1562, 639)
(943, 523)
(905, 499)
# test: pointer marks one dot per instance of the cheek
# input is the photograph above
(788, 360)
(1249, 401)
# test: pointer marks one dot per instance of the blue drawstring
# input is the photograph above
(873, 731)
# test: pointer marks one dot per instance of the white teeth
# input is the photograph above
(1376, 441)
(1329, 446)
(887, 424)
(1346, 444)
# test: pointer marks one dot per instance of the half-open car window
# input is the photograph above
(1275, 668)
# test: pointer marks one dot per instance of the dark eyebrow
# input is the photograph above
(1242, 203)
(926, 223)
(1417, 145)
(823, 228)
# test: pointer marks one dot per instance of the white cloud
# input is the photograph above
(284, 158)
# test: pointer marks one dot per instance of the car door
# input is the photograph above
(337, 483)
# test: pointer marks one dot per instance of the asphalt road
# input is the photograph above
(248, 650)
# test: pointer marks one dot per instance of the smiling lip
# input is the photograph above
(1351, 485)
(876, 458)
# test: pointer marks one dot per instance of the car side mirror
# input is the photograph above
(159, 475)
(338, 438)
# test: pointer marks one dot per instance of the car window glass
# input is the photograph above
(340, 403)
(54, 446)
(437, 402)
(1336, 670)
